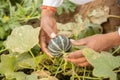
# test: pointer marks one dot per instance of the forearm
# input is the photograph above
(48, 27)
(48, 22)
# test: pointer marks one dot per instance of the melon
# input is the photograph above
(59, 45)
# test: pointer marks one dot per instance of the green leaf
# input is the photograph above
(89, 29)
(7, 67)
(25, 60)
(19, 76)
(65, 29)
(99, 15)
(27, 63)
(7, 64)
(1, 44)
(104, 63)
(2, 33)
(21, 10)
(12, 23)
(22, 39)
(66, 7)
(32, 77)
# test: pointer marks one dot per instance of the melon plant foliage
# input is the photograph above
(104, 63)
(7, 68)
(22, 39)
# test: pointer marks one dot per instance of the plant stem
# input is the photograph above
(10, 7)
(73, 72)
(24, 66)
(116, 50)
(91, 78)
(77, 76)
(59, 67)
(64, 67)
(84, 73)
(35, 61)
(114, 16)
(2, 50)
(116, 71)
(33, 9)
(26, 19)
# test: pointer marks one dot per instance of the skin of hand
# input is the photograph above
(98, 42)
(48, 26)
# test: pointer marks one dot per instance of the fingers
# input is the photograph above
(78, 42)
(84, 64)
(43, 43)
(77, 58)
(75, 55)
(80, 61)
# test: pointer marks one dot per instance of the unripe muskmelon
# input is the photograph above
(58, 45)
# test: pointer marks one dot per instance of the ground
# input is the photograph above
(109, 26)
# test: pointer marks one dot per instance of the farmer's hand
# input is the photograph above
(99, 42)
(48, 29)
(48, 23)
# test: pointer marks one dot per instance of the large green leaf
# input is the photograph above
(89, 29)
(7, 67)
(99, 14)
(22, 39)
(25, 60)
(104, 63)
(7, 64)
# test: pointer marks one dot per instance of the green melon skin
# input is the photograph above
(59, 45)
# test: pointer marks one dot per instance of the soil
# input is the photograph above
(109, 26)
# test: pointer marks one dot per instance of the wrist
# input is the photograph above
(49, 10)
(49, 13)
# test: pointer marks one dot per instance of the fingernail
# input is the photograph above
(53, 35)
(72, 40)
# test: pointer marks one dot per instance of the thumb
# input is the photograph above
(78, 42)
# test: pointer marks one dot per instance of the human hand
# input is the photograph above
(99, 42)
(48, 30)
(43, 41)
(77, 58)
(48, 23)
